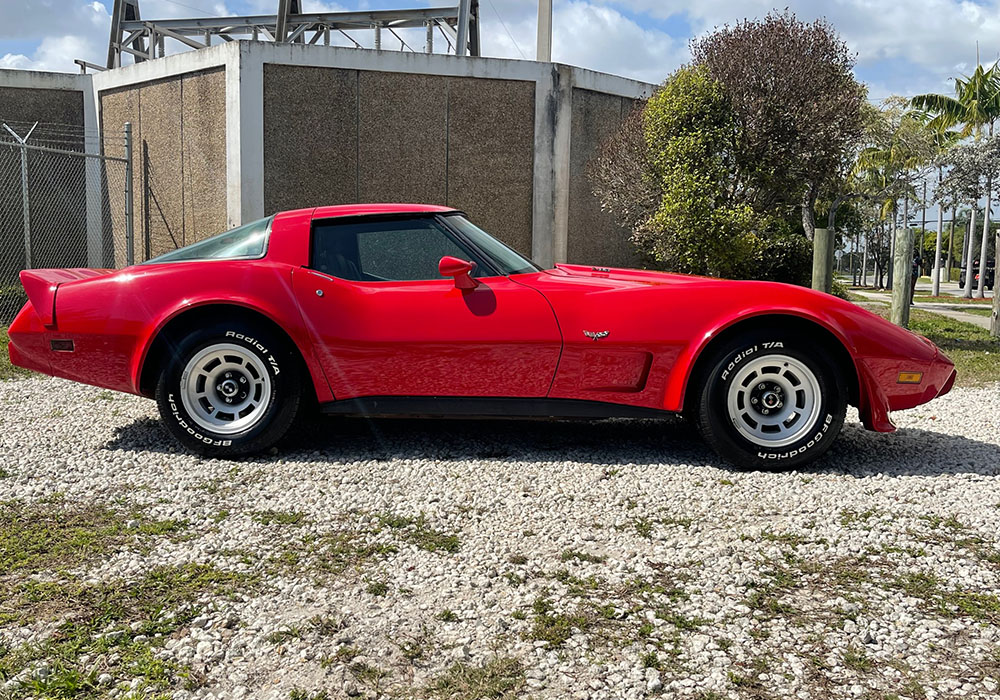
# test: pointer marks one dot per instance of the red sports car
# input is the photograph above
(392, 309)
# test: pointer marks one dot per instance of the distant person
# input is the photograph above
(914, 276)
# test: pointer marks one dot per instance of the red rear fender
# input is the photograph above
(41, 286)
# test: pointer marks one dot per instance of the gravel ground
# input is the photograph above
(503, 559)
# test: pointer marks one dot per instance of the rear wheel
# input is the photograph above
(771, 401)
(229, 390)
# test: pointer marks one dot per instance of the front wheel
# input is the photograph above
(771, 401)
(229, 390)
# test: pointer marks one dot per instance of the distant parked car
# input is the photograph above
(991, 271)
(413, 310)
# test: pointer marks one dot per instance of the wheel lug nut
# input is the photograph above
(753, 401)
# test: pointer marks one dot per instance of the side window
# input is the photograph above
(387, 250)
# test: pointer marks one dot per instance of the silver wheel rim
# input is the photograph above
(225, 389)
(774, 400)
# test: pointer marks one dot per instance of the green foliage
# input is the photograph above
(701, 221)
(689, 128)
(498, 679)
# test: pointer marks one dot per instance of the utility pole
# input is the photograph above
(544, 51)
(901, 261)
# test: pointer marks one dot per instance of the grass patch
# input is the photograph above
(501, 678)
(377, 588)
(984, 607)
(926, 297)
(54, 535)
(575, 555)
(117, 625)
(278, 517)
(416, 531)
(975, 353)
(979, 311)
(552, 627)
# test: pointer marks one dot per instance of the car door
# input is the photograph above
(385, 323)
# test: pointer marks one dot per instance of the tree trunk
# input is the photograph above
(970, 234)
(902, 263)
(809, 211)
(822, 272)
(980, 293)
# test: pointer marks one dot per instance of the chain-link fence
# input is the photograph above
(59, 205)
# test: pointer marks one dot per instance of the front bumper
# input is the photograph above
(881, 393)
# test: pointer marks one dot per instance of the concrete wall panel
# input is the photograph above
(310, 137)
(117, 108)
(594, 238)
(204, 154)
(491, 135)
(403, 145)
(160, 155)
(44, 105)
(179, 160)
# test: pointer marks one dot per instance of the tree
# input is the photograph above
(976, 105)
(899, 146)
(970, 166)
(797, 105)
(671, 173)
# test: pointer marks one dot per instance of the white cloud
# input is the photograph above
(913, 46)
(902, 47)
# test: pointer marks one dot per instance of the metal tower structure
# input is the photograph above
(144, 39)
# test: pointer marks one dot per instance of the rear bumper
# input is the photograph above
(98, 359)
(881, 393)
(28, 347)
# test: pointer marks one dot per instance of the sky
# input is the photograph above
(903, 47)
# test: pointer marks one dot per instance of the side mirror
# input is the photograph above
(459, 269)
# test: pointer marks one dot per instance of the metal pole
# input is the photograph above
(429, 46)
(544, 50)
(378, 35)
(25, 207)
(24, 191)
(464, 10)
(129, 224)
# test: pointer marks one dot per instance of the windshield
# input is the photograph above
(509, 261)
(243, 242)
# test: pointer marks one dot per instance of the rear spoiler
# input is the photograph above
(41, 286)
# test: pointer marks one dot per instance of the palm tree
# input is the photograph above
(886, 170)
(976, 105)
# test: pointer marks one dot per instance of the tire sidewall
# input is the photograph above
(717, 424)
(282, 405)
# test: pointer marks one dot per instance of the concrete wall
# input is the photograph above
(227, 134)
(593, 236)
(179, 156)
(335, 136)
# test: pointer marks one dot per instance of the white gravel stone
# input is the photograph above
(746, 571)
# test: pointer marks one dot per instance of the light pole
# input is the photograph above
(544, 49)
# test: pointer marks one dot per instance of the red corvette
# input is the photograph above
(390, 309)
